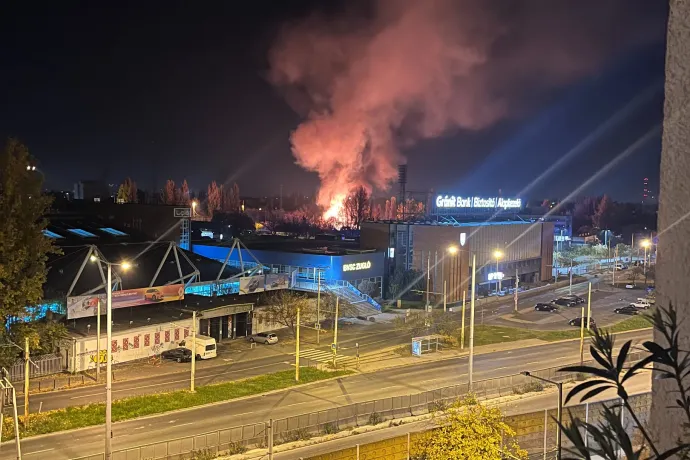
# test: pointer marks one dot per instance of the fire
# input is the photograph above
(336, 211)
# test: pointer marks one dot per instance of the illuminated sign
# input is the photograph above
(495, 276)
(357, 266)
(451, 201)
(463, 239)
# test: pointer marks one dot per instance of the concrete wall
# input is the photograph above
(673, 257)
(128, 345)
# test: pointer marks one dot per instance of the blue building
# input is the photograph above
(347, 265)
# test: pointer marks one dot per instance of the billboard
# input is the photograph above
(87, 305)
(261, 283)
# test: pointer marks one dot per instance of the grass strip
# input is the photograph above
(139, 406)
(487, 335)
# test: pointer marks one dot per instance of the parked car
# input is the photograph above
(269, 338)
(621, 267)
(574, 297)
(629, 310)
(546, 307)
(649, 300)
(578, 321)
(565, 302)
(640, 305)
(181, 354)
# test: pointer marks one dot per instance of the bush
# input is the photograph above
(300, 434)
(330, 428)
(375, 418)
(530, 387)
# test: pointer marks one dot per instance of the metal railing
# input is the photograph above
(43, 365)
(304, 426)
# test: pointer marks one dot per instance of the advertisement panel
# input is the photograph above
(277, 281)
(86, 305)
(261, 283)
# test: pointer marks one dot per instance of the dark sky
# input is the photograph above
(157, 90)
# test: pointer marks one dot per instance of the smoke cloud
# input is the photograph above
(370, 83)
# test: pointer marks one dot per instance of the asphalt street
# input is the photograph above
(287, 403)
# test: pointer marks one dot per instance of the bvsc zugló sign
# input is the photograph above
(357, 266)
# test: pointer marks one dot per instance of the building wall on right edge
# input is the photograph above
(673, 267)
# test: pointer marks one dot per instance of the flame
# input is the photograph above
(336, 211)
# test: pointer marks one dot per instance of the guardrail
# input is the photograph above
(299, 427)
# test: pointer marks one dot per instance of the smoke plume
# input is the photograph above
(372, 82)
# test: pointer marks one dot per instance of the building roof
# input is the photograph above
(145, 257)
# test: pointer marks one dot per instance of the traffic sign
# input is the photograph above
(182, 212)
(333, 346)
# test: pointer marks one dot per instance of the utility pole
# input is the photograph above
(334, 345)
(570, 291)
(109, 367)
(462, 326)
(428, 278)
(471, 360)
(517, 285)
(582, 334)
(297, 348)
(444, 296)
(589, 305)
(98, 341)
(193, 372)
(26, 380)
(318, 308)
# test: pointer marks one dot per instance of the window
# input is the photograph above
(112, 231)
(50, 234)
(210, 347)
(81, 232)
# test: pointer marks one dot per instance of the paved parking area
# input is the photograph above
(603, 304)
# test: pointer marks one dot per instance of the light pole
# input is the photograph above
(109, 362)
(471, 360)
(559, 385)
(645, 244)
(498, 255)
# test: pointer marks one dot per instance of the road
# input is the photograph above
(319, 396)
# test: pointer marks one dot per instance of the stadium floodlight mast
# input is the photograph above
(124, 265)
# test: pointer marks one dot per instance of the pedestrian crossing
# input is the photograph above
(322, 356)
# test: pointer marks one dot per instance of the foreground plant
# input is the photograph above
(611, 441)
(470, 431)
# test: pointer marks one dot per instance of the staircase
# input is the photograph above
(362, 303)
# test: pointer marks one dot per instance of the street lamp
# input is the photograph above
(645, 244)
(498, 255)
(452, 250)
(109, 333)
(559, 415)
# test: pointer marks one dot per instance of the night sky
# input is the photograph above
(158, 90)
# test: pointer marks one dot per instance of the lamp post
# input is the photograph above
(559, 415)
(471, 359)
(645, 244)
(109, 362)
(498, 255)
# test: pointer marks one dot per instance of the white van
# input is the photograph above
(205, 346)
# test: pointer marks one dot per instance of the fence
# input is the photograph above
(42, 365)
(535, 432)
(338, 418)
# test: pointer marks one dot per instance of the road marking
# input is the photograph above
(39, 451)
(533, 362)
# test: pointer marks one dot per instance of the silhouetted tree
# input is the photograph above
(169, 195)
(602, 218)
(213, 198)
(184, 194)
(357, 207)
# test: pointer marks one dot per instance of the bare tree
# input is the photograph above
(184, 193)
(357, 206)
(213, 198)
(282, 306)
(169, 192)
